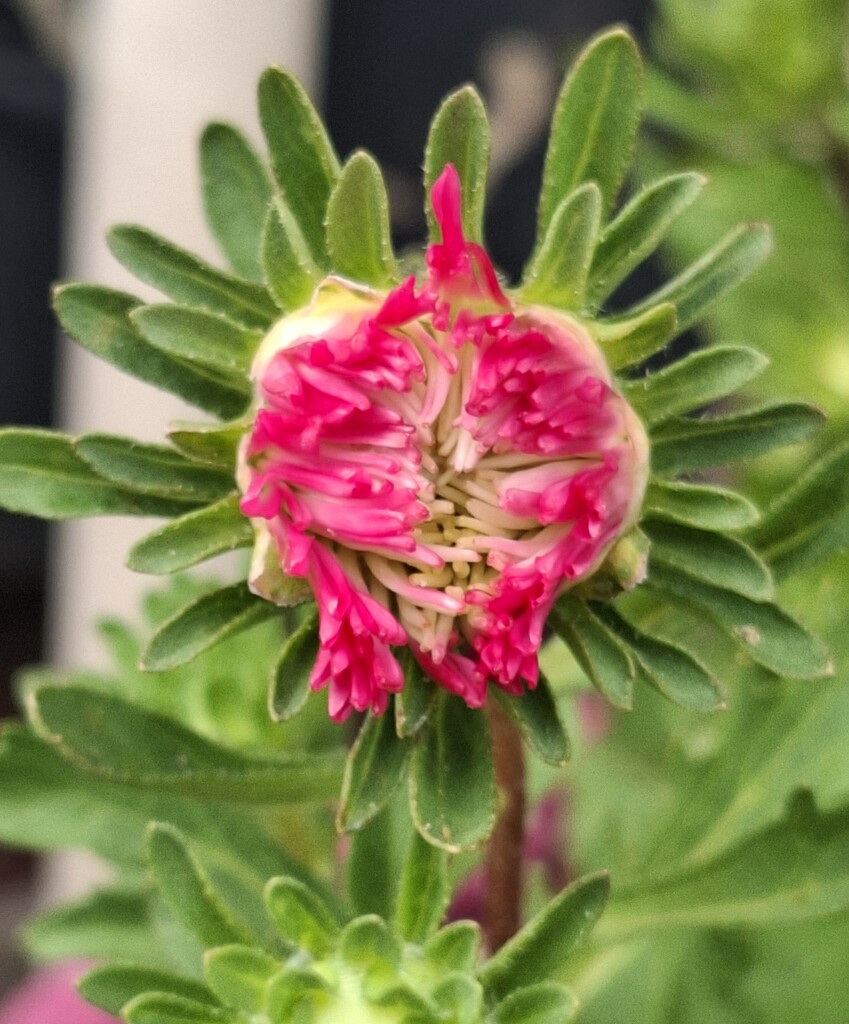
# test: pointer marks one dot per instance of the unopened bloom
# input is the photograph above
(438, 462)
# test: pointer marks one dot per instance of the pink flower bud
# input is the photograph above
(439, 463)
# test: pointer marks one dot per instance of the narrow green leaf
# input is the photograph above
(725, 266)
(288, 267)
(455, 947)
(300, 916)
(598, 651)
(557, 274)
(113, 986)
(712, 557)
(459, 135)
(41, 474)
(358, 231)
(546, 1003)
(98, 318)
(414, 703)
(200, 337)
(209, 443)
(768, 634)
(686, 445)
(185, 278)
(452, 789)
(631, 341)
(236, 194)
(594, 124)
(693, 382)
(163, 1008)
(424, 891)
(290, 679)
(824, 539)
(204, 623)
(543, 945)
(374, 769)
(372, 867)
(192, 538)
(152, 469)
(187, 890)
(302, 156)
(535, 712)
(638, 229)
(239, 976)
(705, 507)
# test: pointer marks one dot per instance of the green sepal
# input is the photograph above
(455, 947)
(459, 996)
(99, 319)
(152, 469)
(594, 124)
(687, 445)
(203, 623)
(300, 916)
(693, 382)
(413, 703)
(302, 156)
(424, 891)
(629, 341)
(42, 474)
(185, 278)
(637, 230)
(557, 273)
(211, 444)
(358, 231)
(535, 713)
(722, 268)
(367, 945)
(239, 975)
(545, 1003)
(374, 770)
(188, 891)
(192, 538)
(112, 986)
(699, 505)
(289, 268)
(400, 1001)
(541, 947)
(236, 193)
(164, 1008)
(290, 677)
(765, 632)
(597, 650)
(712, 557)
(197, 336)
(459, 135)
(452, 788)
(293, 993)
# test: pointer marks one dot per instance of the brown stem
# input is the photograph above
(503, 862)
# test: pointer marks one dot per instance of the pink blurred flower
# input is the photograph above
(438, 463)
(49, 997)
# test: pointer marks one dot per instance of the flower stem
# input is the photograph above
(503, 861)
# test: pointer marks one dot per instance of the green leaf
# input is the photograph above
(302, 157)
(725, 266)
(41, 474)
(693, 382)
(638, 229)
(546, 1003)
(598, 651)
(698, 505)
(202, 624)
(152, 469)
(535, 713)
(188, 891)
(424, 891)
(459, 135)
(371, 868)
(766, 633)
(452, 789)
(239, 976)
(414, 703)
(287, 264)
(163, 1008)
(459, 996)
(98, 318)
(358, 231)
(291, 674)
(236, 194)
(200, 337)
(185, 278)
(294, 993)
(376, 764)
(454, 947)
(540, 948)
(212, 444)
(712, 557)
(594, 124)
(192, 538)
(557, 274)
(114, 740)
(111, 987)
(300, 916)
(686, 445)
(366, 942)
(630, 341)
(795, 870)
